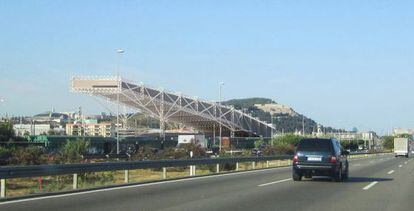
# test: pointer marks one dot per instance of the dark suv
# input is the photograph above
(320, 157)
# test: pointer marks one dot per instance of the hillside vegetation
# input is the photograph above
(284, 123)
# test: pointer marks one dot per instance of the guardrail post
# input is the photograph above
(217, 168)
(267, 164)
(237, 166)
(192, 170)
(126, 179)
(253, 165)
(75, 181)
(164, 173)
(3, 188)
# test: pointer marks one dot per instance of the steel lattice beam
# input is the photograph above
(169, 107)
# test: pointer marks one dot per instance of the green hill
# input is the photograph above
(284, 122)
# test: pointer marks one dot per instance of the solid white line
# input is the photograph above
(370, 185)
(400, 166)
(275, 182)
(390, 172)
(405, 162)
(139, 185)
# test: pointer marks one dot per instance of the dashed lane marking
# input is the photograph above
(275, 182)
(370, 185)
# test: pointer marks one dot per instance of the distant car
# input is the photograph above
(320, 157)
(257, 152)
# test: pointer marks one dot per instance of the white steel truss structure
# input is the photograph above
(202, 115)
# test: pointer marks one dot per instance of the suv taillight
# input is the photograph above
(332, 159)
(295, 159)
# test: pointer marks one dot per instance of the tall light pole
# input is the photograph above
(120, 52)
(303, 125)
(220, 87)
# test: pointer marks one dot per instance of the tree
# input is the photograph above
(388, 142)
(6, 131)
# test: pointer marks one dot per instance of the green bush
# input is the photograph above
(32, 155)
(287, 139)
(72, 151)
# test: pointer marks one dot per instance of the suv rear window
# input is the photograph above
(319, 145)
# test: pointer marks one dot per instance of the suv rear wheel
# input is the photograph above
(296, 176)
(338, 175)
(345, 174)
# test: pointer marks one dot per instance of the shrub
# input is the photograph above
(72, 151)
(32, 155)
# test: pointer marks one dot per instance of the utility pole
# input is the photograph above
(220, 87)
(271, 129)
(119, 51)
(303, 125)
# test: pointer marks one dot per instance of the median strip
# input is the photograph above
(370, 185)
(275, 182)
(390, 172)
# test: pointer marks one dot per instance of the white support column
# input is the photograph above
(237, 166)
(253, 165)
(267, 164)
(217, 168)
(164, 173)
(2, 188)
(126, 179)
(75, 181)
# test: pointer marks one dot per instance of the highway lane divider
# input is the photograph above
(370, 185)
(275, 182)
(76, 170)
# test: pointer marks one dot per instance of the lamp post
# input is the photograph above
(220, 87)
(120, 52)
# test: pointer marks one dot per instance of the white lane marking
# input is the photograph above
(357, 164)
(400, 166)
(390, 172)
(405, 162)
(370, 185)
(275, 182)
(139, 185)
(371, 161)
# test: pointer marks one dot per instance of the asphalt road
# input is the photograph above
(379, 183)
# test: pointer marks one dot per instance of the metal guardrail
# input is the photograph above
(11, 172)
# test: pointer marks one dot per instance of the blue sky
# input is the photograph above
(342, 63)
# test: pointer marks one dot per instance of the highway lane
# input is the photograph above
(259, 190)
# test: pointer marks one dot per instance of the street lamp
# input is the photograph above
(120, 52)
(220, 87)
